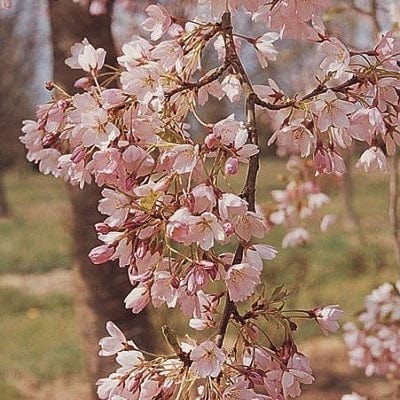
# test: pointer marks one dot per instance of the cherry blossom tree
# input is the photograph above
(186, 239)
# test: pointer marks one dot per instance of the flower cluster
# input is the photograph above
(298, 202)
(203, 371)
(172, 219)
(376, 345)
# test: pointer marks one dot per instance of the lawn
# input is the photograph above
(38, 334)
(36, 239)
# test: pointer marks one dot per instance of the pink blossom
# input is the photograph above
(162, 290)
(98, 7)
(114, 343)
(5, 4)
(48, 161)
(239, 391)
(337, 57)
(293, 16)
(230, 206)
(199, 274)
(298, 371)
(111, 98)
(123, 252)
(255, 255)
(86, 57)
(115, 205)
(186, 157)
(296, 237)
(219, 46)
(137, 299)
(295, 134)
(207, 359)
(353, 396)
(241, 280)
(332, 111)
(143, 82)
(106, 387)
(228, 129)
(248, 225)
(327, 317)
(265, 49)
(232, 87)
(372, 159)
(204, 229)
(178, 227)
(129, 359)
(158, 21)
(231, 166)
(204, 198)
(366, 123)
(170, 55)
(327, 221)
(135, 53)
(322, 161)
(213, 88)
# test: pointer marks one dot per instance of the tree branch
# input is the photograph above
(249, 189)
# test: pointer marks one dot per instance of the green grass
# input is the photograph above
(36, 237)
(10, 392)
(38, 338)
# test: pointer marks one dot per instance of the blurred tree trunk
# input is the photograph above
(4, 207)
(15, 104)
(101, 289)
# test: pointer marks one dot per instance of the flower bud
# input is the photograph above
(83, 83)
(211, 140)
(231, 166)
(101, 254)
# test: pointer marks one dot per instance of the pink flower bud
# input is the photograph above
(327, 317)
(103, 228)
(229, 229)
(231, 166)
(322, 161)
(130, 183)
(211, 140)
(49, 139)
(178, 230)
(78, 154)
(83, 83)
(175, 282)
(42, 123)
(101, 254)
(141, 250)
(63, 104)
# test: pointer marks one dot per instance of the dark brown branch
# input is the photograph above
(249, 190)
(205, 80)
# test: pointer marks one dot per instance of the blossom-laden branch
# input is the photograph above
(170, 219)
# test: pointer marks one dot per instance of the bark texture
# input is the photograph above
(100, 289)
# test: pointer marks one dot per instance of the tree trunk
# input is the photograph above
(101, 289)
(4, 207)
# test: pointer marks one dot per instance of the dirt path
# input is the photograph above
(57, 281)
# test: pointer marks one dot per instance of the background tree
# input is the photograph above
(16, 39)
(101, 290)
